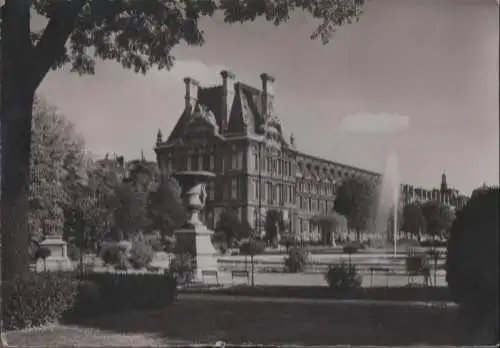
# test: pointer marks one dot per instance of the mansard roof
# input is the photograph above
(245, 114)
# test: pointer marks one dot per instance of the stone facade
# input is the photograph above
(233, 131)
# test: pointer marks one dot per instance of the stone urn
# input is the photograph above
(194, 237)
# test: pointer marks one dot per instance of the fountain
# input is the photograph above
(388, 201)
(194, 237)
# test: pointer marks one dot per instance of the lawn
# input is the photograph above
(258, 322)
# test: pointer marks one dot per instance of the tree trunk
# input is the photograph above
(15, 140)
(17, 93)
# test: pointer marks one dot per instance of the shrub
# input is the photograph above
(182, 268)
(42, 253)
(73, 252)
(35, 299)
(350, 248)
(111, 254)
(123, 263)
(252, 247)
(156, 245)
(105, 293)
(141, 255)
(343, 277)
(472, 255)
(296, 260)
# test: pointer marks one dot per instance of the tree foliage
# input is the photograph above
(472, 258)
(439, 218)
(355, 200)
(274, 225)
(414, 221)
(165, 209)
(230, 228)
(58, 168)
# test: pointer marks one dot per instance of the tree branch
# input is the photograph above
(52, 43)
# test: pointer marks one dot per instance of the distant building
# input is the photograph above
(232, 130)
(444, 194)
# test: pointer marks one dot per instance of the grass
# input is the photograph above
(419, 294)
(258, 322)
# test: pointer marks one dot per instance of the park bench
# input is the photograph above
(387, 271)
(210, 273)
(240, 274)
(416, 266)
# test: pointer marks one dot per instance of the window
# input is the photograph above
(256, 189)
(169, 166)
(211, 191)
(234, 189)
(256, 161)
(309, 204)
(200, 162)
(189, 163)
(212, 162)
(240, 160)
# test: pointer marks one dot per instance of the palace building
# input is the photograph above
(232, 130)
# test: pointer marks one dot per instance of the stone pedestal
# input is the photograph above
(194, 237)
(197, 241)
(58, 259)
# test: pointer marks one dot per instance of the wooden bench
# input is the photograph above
(240, 274)
(210, 273)
(384, 270)
(417, 266)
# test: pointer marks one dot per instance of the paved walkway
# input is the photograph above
(229, 298)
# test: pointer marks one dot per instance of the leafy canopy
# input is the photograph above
(141, 34)
(355, 200)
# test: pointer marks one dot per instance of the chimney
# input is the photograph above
(191, 92)
(267, 94)
(228, 79)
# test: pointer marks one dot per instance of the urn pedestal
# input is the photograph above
(58, 259)
(194, 237)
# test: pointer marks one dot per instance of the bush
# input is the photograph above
(156, 245)
(141, 255)
(73, 252)
(106, 293)
(296, 260)
(42, 253)
(351, 248)
(343, 277)
(472, 256)
(111, 254)
(35, 299)
(182, 268)
(252, 247)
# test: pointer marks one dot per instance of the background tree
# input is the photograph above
(438, 218)
(91, 219)
(413, 219)
(58, 167)
(274, 225)
(165, 209)
(129, 209)
(472, 264)
(330, 223)
(138, 34)
(230, 228)
(355, 200)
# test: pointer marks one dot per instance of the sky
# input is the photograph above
(414, 78)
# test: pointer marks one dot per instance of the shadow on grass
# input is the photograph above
(205, 321)
(416, 293)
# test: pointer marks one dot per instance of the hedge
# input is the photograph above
(36, 299)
